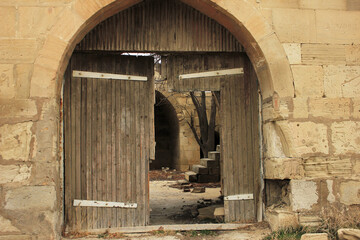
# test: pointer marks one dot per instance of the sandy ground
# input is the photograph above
(168, 205)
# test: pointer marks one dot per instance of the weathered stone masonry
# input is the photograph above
(307, 57)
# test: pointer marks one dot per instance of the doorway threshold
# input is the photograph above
(180, 227)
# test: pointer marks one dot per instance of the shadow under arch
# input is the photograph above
(166, 133)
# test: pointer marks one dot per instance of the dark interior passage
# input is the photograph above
(166, 134)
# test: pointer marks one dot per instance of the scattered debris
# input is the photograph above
(198, 190)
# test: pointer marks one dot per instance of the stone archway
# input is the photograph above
(251, 29)
(241, 18)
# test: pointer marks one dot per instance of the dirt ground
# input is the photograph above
(173, 206)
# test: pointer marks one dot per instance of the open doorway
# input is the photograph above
(166, 134)
(214, 50)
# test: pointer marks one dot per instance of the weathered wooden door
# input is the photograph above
(239, 116)
(240, 145)
(108, 134)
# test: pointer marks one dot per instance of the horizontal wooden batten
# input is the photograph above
(91, 203)
(85, 74)
(233, 71)
(239, 197)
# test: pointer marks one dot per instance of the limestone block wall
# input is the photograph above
(307, 57)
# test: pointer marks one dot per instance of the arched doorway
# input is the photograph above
(166, 133)
(265, 70)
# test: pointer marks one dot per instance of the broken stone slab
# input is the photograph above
(191, 176)
(208, 162)
(219, 214)
(349, 234)
(279, 218)
(314, 236)
(309, 220)
(199, 169)
(198, 190)
(183, 182)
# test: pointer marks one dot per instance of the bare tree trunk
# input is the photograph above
(206, 140)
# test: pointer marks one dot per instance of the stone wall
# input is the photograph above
(307, 57)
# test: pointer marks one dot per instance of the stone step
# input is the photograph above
(200, 169)
(206, 178)
(208, 162)
(218, 148)
(214, 170)
(214, 155)
(191, 176)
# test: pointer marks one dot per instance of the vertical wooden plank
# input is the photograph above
(89, 153)
(76, 154)
(67, 147)
(83, 156)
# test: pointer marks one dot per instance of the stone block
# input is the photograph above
(279, 4)
(272, 141)
(208, 162)
(283, 168)
(309, 220)
(352, 54)
(345, 137)
(18, 50)
(43, 82)
(14, 173)
(67, 28)
(8, 21)
(303, 194)
(314, 236)
(219, 214)
(36, 21)
(16, 237)
(301, 109)
(340, 27)
(18, 111)
(352, 5)
(6, 226)
(281, 219)
(348, 234)
(44, 173)
(323, 54)
(303, 138)
(191, 176)
(294, 25)
(355, 108)
(333, 108)
(31, 198)
(199, 169)
(205, 178)
(214, 171)
(15, 141)
(321, 4)
(280, 70)
(350, 192)
(341, 81)
(51, 54)
(277, 109)
(308, 81)
(22, 76)
(7, 83)
(293, 52)
(214, 155)
(323, 167)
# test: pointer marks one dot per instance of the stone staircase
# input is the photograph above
(207, 171)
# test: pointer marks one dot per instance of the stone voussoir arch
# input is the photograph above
(240, 17)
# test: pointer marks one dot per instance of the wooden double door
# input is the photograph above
(233, 75)
(108, 140)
